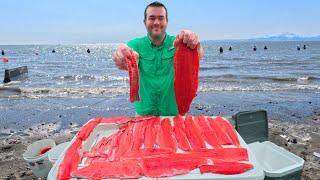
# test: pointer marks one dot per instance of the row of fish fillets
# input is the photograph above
(163, 147)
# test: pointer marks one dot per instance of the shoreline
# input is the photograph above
(19, 114)
(302, 139)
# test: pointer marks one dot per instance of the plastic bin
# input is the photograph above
(277, 162)
(105, 130)
(39, 163)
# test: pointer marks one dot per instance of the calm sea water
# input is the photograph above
(280, 73)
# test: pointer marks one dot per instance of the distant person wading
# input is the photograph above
(221, 50)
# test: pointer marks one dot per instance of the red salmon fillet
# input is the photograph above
(133, 71)
(228, 154)
(179, 131)
(116, 119)
(169, 166)
(165, 139)
(207, 132)
(119, 169)
(70, 160)
(228, 129)
(226, 168)
(138, 135)
(194, 134)
(132, 151)
(152, 129)
(186, 69)
(146, 153)
(222, 136)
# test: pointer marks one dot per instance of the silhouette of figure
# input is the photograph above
(2, 52)
(230, 48)
(265, 48)
(298, 48)
(53, 51)
(254, 48)
(88, 50)
(304, 46)
(221, 50)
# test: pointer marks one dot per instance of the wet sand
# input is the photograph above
(300, 139)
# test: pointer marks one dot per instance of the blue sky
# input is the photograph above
(104, 21)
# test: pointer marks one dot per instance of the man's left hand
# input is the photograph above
(188, 37)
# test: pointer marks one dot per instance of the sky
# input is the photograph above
(114, 21)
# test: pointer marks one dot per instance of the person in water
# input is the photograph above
(221, 50)
(155, 53)
(53, 51)
(2, 52)
(230, 48)
(265, 48)
(254, 48)
(304, 46)
(88, 51)
(298, 48)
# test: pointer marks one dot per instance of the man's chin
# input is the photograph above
(157, 35)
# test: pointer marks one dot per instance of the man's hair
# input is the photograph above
(155, 4)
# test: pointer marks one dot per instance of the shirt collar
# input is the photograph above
(164, 41)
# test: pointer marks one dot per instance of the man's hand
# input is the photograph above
(188, 37)
(122, 53)
(191, 39)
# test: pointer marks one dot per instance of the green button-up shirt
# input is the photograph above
(156, 75)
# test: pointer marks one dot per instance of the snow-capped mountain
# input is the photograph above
(286, 37)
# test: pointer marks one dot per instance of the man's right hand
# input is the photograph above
(122, 53)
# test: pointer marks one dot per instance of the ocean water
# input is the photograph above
(281, 79)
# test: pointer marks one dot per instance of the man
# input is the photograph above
(155, 61)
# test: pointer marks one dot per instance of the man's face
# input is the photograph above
(156, 22)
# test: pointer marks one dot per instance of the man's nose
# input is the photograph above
(156, 21)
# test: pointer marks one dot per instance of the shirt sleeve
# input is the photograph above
(134, 45)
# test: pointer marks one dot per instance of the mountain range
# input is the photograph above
(286, 37)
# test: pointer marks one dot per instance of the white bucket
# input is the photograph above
(39, 163)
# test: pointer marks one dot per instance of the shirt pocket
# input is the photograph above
(166, 62)
(147, 63)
